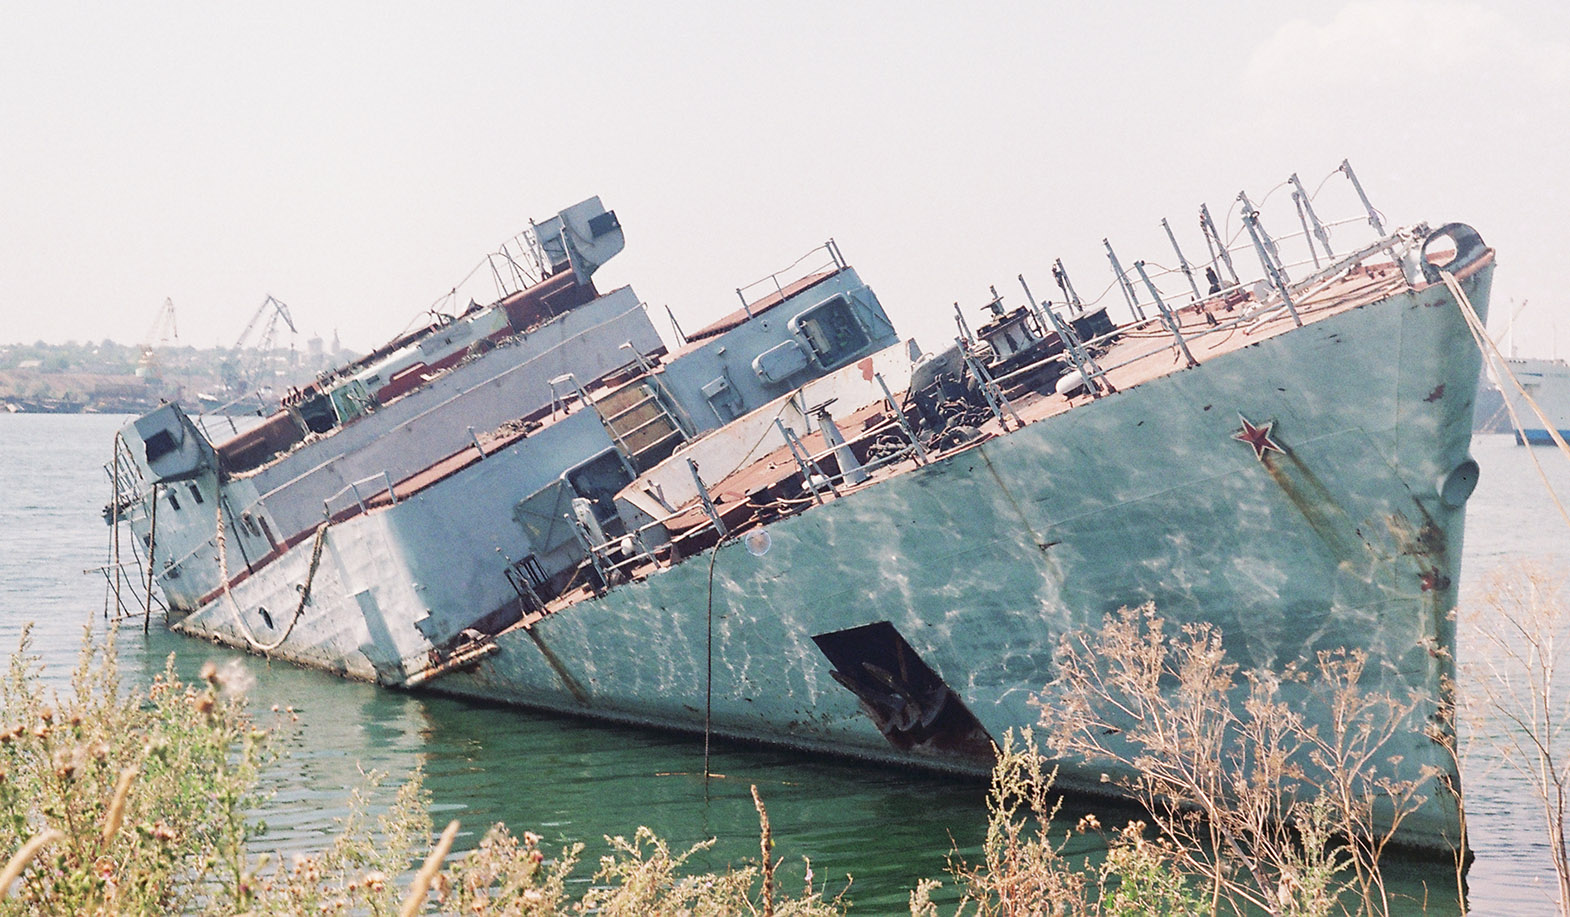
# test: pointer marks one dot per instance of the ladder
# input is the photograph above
(639, 422)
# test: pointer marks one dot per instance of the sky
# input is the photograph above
(355, 160)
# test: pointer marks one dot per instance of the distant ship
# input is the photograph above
(796, 527)
(1547, 384)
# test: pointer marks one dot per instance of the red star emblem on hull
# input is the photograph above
(1258, 437)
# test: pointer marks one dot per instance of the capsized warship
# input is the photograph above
(795, 527)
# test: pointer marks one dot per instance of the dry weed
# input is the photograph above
(1520, 709)
(1284, 805)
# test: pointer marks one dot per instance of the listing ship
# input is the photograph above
(795, 527)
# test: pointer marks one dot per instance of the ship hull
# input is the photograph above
(1539, 437)
(973, 568)
(1537, 399)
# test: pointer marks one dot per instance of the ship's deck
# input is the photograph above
(1135, 354)
(772, 487)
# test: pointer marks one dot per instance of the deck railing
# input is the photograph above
(826, 258)
(354, 488)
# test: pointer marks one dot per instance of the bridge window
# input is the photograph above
(832, 331)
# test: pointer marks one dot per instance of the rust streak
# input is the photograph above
(1319, 509)
(578, 694)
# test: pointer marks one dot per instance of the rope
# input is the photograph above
(234, 606)
(114, 534)
(1226, 226)
(1321, 186)
(708, 681)
(1490, 352)
(1261, 204)
(1100, 296)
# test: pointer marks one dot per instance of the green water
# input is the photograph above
(575, 781)
(565, 779)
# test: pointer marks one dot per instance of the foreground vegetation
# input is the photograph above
(146, 802)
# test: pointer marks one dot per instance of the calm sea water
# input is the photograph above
(575, 781)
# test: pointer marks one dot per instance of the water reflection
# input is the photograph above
(573, 781)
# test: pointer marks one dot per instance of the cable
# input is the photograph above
(708, 686)
(1487, 346)
(234, 606)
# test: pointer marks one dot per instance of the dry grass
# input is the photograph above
(147, 794)
(1024, 870)
(1518, 706)
(144, 802)
(1283, 806)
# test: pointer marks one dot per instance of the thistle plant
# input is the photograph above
(146, 801)
(1025, 868)
(1022, 864)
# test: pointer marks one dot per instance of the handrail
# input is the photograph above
(355, 487)
(1263, 310)
(1161, 339)
(912, 448)
(1163, 271)
(836, 261)
(1222, 251)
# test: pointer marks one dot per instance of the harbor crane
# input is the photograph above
(265, 341)
(265, 318)
(160, 333)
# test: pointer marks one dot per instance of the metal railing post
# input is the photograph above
(1123, 284)
(904, 422)
(1302, 220)
(1259, 230)
(1373, 215)
(964, 329)
(1169, 319)
(1060, 274)
(804, 461)
(1182, 261)
(1072, 346)
(708, 504)
(1320, 232)
(989, 388)
(1219, 248)
(1251, 220)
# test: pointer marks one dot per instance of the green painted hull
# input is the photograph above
(984, 560)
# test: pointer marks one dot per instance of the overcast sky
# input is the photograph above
(356, 160)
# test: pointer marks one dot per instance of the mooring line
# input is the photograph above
(1490, 352)
(234, 606)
